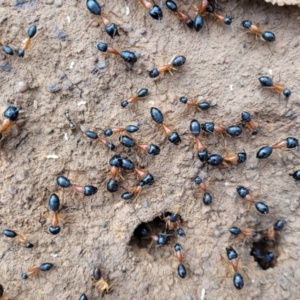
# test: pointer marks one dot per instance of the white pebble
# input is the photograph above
(52, 156)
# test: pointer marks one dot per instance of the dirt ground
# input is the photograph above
(63, 70)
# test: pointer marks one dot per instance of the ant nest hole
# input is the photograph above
(164, 230)
(266, 252)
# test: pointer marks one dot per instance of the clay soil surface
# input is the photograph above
(63, 70)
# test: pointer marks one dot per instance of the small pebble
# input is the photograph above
(132, 42)
(22, 87)
(146, 203)
(49, 1)
(54, 88)
(176, 171)
(58, 3)
(101, 65)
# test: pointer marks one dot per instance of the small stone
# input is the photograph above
(22, 87)
(102, 224)
(49, 1)
(146, 203)
(132, 42)
(115, 275)
(101, 65)
(58, 3)
(176, 171)
(143, 31)
(54, 88)
(139, 71)
(289, 113)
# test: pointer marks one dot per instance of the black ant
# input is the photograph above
(11, 114)
(232, 256)
(192, 103)
(129, 142)
(244, 232)
(129, 129)
(234, 158)
(154, 10)
(179, 254)
(233, 131)
(266, 36)
(8, 50)
(94, 136)
(126, 55)
(277, 227)
(110, 28)
(100, 283)
(31, 33)
(158, 117)
(135, 191)
(288, 143)
(244, 193)
(72, 125)
(54, 204)
(219, 18)
(266, 81)
(176, 62)
(182, 15)
(173, 222)
(296, 175)
(201, 8)
(207, 198)
(141, 94)
(22, 239)
(87, 190)
(33, 271)
(247, 120)
(195, 129)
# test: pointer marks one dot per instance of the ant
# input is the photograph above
(182, 15)
(83, 297)
(192, 103)
(141, 94)
(219, 18)
(277, 227)
(207, 198)
(235, 158)
(173, 222)
(232, 256)
(129, 129)
(266, 36)
(154, 10)
(138, 188)
(246, 232)
(31, 33)
(195, 129)
(54, 204)
(152, 149)
(35, 270)
(233, 131)
(176, 62)
(126, 55)
(72, 125)
(247, 120)
(296, 175)
(266, 81)
(158, 117)
(94, 136)
(179, 254)
(110, 28)
(100, 283)
(8, 50)
(266, 151)
(22, 239)
(87, 190)
(244, 193)
(11, 114)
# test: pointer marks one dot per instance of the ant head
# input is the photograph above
(21, 53)
(180, 232)
(102, 47)
(111, 146)
(231, 253)
(287, 93)
(190, 24)
(24, 276)
(108, 132)
(112, 185)
(177, 247)
(174, 138)
(292, 142)
(124, 103)
(12, 113)
(247, 24)
(228, 21)
(183, 100)
(197, 179)
(28, 245)
(246, 117)
(242, 157)
(153, 150)
(156, 13)
(203, 155)
(154, 73)
(279, 225)
(112, 30)
(210, 8)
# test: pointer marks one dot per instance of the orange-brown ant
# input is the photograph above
(129, 142)
(31, 33)
(182, 15)
(158, 117)
(100, 283)
(276, 228)
(94, 136)
(225, 20)
(195, 129)
(243, 232)
(179, 254)
(87, 190)
(10, 115)
(126, 55)
(232, 256)
(176, 62)
(192, 103)
(33, 271)
(235, 158)
(54, 204)
(141, 94)
(247, 120)
(207, 198)
(110, 28)
(154, 10)
(266, 36)
(21, 238)
(266, 81)
(130, 129)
